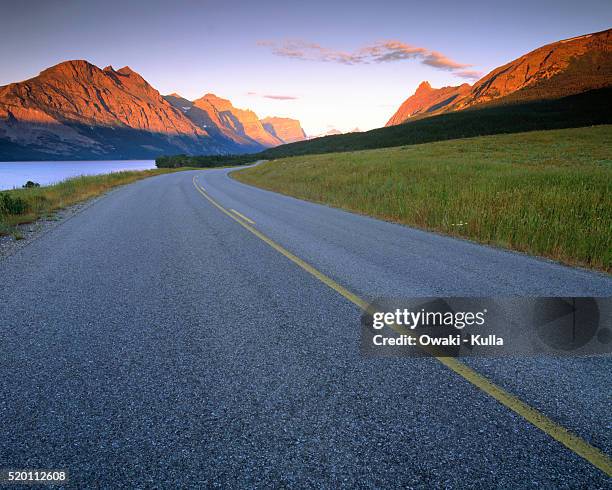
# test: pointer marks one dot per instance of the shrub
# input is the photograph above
(12, 205)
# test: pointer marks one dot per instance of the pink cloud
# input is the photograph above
(380, 52)
(469, 74)
(274, 96)
(281, 97)
(438, 60)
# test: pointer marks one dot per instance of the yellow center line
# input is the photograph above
(570, 440)
(243, 216)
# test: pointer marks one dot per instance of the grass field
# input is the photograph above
(26, 205)
(547, 193)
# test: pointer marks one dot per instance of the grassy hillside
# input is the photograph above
(548, 193)
(587, 109)
(26, 205)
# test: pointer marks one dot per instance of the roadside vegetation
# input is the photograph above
(25, 205)
(586, 109)
(547, 193)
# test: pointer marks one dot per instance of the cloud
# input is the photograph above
(274, 96)
(380, 52)
(469, 74)
(281, 97)
(438, 60)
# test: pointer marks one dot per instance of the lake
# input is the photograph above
(15, 174)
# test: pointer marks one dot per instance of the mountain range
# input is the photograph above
(557, 70)
(75, 110)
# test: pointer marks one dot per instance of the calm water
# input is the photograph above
(15, 174)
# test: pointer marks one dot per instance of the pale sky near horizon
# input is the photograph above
(330, 64)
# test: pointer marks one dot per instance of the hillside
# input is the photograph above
(559, 69)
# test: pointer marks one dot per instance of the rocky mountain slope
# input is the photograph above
(427, 100)
(243, 122)
(286, 129)
(219, 117)
(204, 115)
(75, 110)
(560, 69)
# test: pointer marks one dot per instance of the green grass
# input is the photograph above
(20, 206)
(547, 193)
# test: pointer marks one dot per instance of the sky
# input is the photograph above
(330, 64)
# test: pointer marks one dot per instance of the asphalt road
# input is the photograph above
(151, 340)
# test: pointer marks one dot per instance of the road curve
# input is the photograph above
(153, 341)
